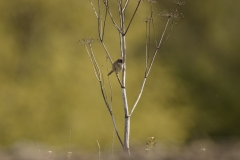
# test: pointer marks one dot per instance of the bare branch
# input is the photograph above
(148, 70)
(115, 127)
(171, 16)
(169, 32)
(99, 77)
(139, 96)
(109, 82)
(119, 81)
(93, 8)
(154, 32)
(125, 5)
(108, 55)
(147, 21)
(159, 44)
(139, 1)
(121, 16)
(95, 63)
(148, 45)
(147, 53)
(104, 25)
(111, 114)
(152, 20)
(99, 20)
(110, 14)
(94, 68)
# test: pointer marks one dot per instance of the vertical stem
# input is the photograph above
(99, 151)
(124, 94)
(127, 123)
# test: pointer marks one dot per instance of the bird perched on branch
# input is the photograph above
(117, 66)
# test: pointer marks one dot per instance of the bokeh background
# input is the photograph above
(48, 88)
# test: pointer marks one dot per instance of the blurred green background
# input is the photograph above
(47, 84)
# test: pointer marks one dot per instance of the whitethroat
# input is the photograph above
(117, 66)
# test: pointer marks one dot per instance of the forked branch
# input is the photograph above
(171, 16)
(87, 43)
(111, 16)
(149, 69)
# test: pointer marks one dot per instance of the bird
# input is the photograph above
(117, 66)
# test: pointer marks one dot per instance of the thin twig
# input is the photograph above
(110, 112)
(90, 57)
(109, 82)
(146, 46)
(125, 5)
(149, 40)
(133, 16)
(115, 127)
(104, 25)
(110, 14)
(152, 20)
(120, 16)
(105, 48)
(99, 20)
(93, 8)
(169, 33)
(119, 81)
(159, 44)
(105, 92)
(139, 96)
(95, 62)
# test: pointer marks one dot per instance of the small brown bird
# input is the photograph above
(117, 66)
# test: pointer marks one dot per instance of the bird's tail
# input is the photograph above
(110, 72)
